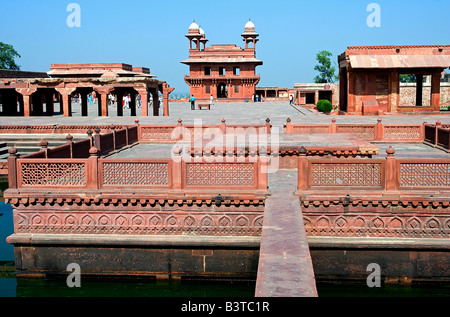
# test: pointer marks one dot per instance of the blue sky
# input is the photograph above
(151, 33)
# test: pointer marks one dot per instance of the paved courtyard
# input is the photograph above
(241, 113)
(234, 113)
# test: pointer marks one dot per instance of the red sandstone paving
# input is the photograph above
(234, 113)
(285, 267)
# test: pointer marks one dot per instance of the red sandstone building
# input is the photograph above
(227, 72)
(369, 78)
(25, 93)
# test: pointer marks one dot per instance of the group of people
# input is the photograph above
(91, 98)
(126, 100)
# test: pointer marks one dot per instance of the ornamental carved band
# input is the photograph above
(145, 223)
(53, 174)
(346, 174)
(136, 173)
(377, 225)
(220, 174)
(156, 133)
(364, 132)
(424, 175)
(402, 133)
(310, 129)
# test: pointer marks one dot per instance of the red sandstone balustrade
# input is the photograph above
(373, 132)
(437, 135)
(173, 133)
(372, 175)
(51, 129)
(95, 173)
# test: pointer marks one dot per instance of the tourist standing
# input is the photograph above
(192, 102)
(291, 99)
(211, 100)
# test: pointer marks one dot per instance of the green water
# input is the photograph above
(122, 288)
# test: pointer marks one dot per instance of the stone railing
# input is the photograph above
(372, 175)
(390, 198)
(95, 173)
(180, 131)
(106, 142)
(54, 129)
(372, 132)
(437, 135)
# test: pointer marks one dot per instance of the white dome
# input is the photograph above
(201, 31)
(193, 26)
(249, 24)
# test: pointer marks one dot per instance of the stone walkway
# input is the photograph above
(285, 267)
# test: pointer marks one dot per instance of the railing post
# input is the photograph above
(92, 180)
(44, 147)
(97, 139)
(223, 126)
(69, 139)
(302, 169)
(180, 129)
(436, 134)
(379, 132)
(112, 128)
(391, 170)
(90, 137)
(177, 175)
(288, 126)
(262, 169)
(422, 131)
(268, 126)
(12, 168)
(138, 129)
(332, 128)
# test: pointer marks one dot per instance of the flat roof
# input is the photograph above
(399, 61)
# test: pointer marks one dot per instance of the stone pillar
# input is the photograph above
(144, 101)
(26, 105)
(394, 92)
(66, 100)
(103, 101)
(166, 91)
(435, 90)
(419, 89)
(351, 104)
(26, 93)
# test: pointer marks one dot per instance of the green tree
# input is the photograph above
(407, 78)
(325, 69)
(7, 56)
